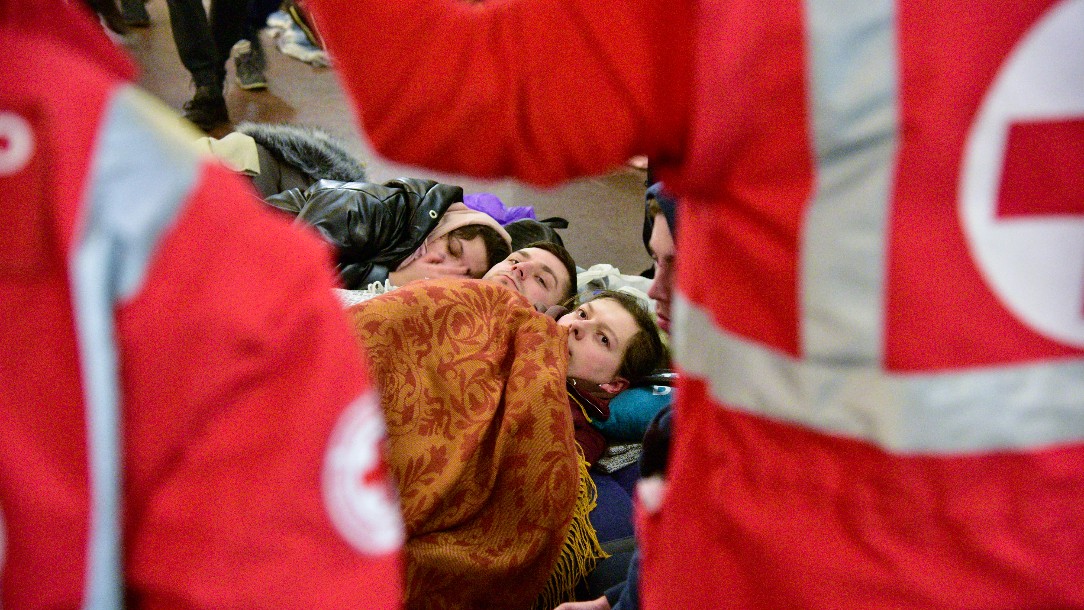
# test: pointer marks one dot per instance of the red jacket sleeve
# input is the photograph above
(543, 90)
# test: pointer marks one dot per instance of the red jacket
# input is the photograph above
(184, 420)
(879, 318)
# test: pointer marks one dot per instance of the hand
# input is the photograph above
(595, 604)
(427, 267)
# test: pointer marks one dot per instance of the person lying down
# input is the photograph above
(494, 491)
(544, 272)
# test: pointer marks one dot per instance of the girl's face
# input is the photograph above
(598, 334)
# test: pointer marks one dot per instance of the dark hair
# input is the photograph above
(658, 201)
(528, 231)
(566, 260)
(645, 352)
(496, 248)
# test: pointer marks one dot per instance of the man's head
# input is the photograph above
(543, 272)
(468, 251)
(612, 341)
(659, 237)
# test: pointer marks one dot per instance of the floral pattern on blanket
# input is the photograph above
(480, 438)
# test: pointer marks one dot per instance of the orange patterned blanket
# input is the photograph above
(480, 439)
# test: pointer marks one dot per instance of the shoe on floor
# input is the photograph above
(207, 108)
(249, 63)
(135, 13)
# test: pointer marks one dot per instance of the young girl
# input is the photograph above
(612, 344)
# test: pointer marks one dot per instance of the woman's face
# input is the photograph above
(446, 256)
(455, 251)
(598, 334)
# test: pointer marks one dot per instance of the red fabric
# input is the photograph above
(237, 363)
(43, 492)
(613, 74)
(596, 405)
(276, 365)
(1040, 178)
(793, 518)
(590, 440)
(746, 174)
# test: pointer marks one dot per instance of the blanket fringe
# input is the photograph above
(581, 550)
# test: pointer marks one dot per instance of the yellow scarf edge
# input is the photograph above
(581, 549)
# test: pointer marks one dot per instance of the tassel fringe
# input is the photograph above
(580, 552)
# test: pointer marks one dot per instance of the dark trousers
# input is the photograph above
(259, 11)
(204, 42)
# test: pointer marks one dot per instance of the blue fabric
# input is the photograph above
(630, 594)
(632, 410)
(612, 517)
(610, 574)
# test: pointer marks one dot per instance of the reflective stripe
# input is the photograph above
(978, 410)
(142, 171)
(854, 87)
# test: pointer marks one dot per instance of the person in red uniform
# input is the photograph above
(878, 320)
(185, 419)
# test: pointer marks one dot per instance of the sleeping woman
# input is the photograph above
(493, 487)
(399, 231)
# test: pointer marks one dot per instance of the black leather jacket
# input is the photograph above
(374, 227)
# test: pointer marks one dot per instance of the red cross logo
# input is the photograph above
(357, 492)
(1022, 180)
